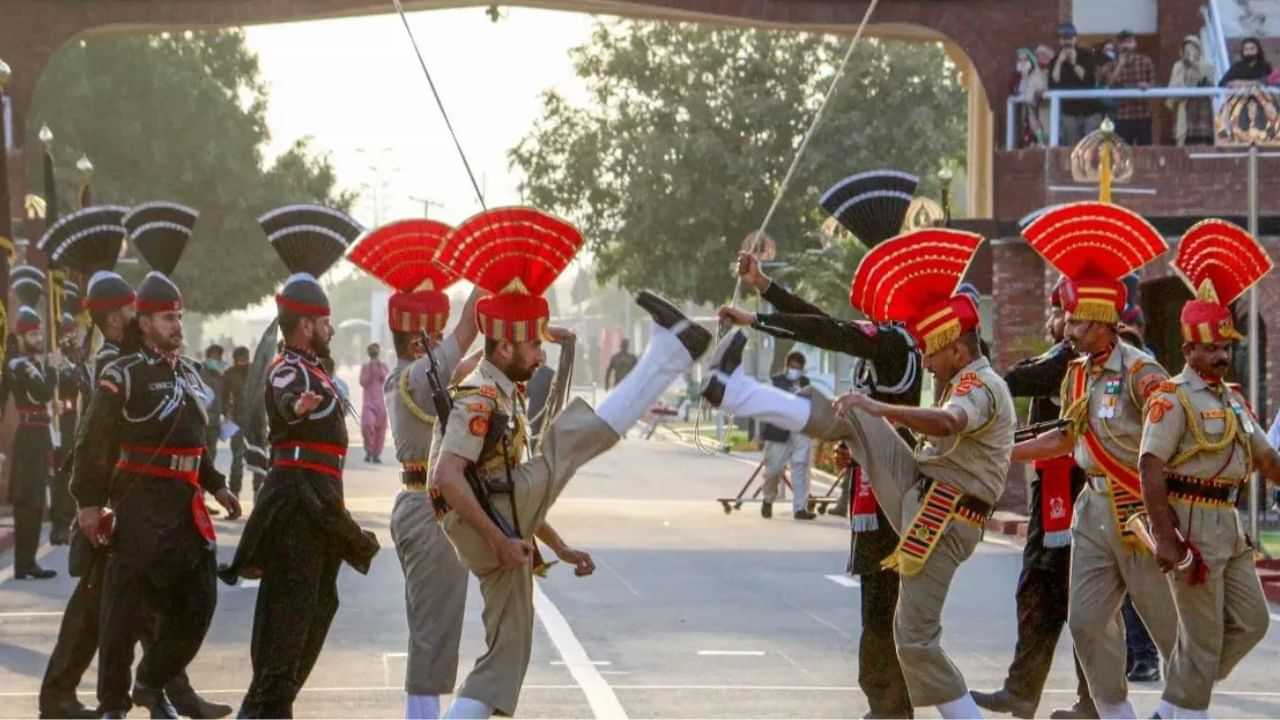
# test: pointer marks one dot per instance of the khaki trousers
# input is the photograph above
(1220, 621)
(932, 678)
(435, 595)
(577, 436)
(1103, 569)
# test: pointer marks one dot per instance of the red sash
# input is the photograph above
(150, 460)
(862, 515)
(1126, 486)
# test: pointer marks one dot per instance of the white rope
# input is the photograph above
(804, 142)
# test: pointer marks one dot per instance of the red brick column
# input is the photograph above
(1018, 288)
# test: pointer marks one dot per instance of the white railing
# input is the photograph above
(1055, 98)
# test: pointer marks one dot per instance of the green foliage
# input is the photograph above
(689, 131)
(180, 118)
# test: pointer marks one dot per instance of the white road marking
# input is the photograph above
(844, 581)
(30, 614)
(831, 625)
(386, 665)
(6, 573)
(246, 584)
(1275, 617)
(597, 663)
(607, 566)
(604, 704)
(731, 653)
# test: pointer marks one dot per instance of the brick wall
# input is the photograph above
(1017, 286)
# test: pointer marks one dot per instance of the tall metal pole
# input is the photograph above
(1254, 339)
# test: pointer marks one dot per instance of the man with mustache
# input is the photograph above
(300, 532)
(147, 418)
(1094, 245)
(939, 495)
(1200, 444)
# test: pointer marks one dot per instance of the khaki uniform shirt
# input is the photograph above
(413, 428)
(486, 391)
(977, 459)
(1117, 392)
(1173, 434)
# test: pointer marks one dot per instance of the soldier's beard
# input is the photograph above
(320, 346)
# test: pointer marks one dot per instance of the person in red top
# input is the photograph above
(1131, 70)
(373, 412)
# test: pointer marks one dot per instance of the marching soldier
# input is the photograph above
(74, 383)
(493, 503)
(937, 497)
(1199, 446)
(31, 378)
(402, 255)
(1046, 558)
(147, 418)
(98, 234)
(1102, 400)
(887, 366)
(300, 532)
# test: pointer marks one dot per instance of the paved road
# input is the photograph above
(692, 613)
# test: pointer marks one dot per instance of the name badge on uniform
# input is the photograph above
(1107, 410)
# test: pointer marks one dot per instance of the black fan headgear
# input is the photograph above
(71, 299)
(159, 231)
(27, 283)
(89, 241)
(28, 320)
(872, 205)
(309, 239)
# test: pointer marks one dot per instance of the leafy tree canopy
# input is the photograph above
(180, 118)
(689, 131)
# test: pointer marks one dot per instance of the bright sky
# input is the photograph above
(355, 87)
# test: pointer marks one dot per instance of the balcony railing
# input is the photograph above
(1055, 98)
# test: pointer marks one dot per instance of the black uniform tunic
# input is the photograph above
(159, 571)
(1044, 582)
(31, 384)
(890, 371)
(73, 384)
(297, 536)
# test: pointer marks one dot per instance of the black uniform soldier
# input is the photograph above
(147, 417)
(872, 206)
(1046, 558)
(74, 383)
(31, 380)
(299, 532)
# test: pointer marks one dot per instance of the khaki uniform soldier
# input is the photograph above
(401, 254)
(1199, 446)
(493, 501)
(938, 497)
(1103, 395)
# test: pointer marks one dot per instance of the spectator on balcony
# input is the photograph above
(1030, 84)
(1193, 117)
(1132, 70)
(1252, 67)
(1075, 68)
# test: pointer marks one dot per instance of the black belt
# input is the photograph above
(1198, 489)
(414, 479)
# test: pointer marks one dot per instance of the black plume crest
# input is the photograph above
(27, 283)
(159, 231)
(872, 205)
(309, 238)
(87, 240)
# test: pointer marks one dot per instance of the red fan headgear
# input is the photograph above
(913, 278)
(515, 253)
(1094, 244)
(403, 255)
(1219, 261)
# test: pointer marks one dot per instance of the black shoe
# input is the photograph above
(1082, 710)
(154, 701)
(805, 515)
(838, 510)
(35, 572)
(695, 338)
(726, 359)
(766, 510)
(194, 706)
(67, 708)
(1002, 702)
(1145, 671)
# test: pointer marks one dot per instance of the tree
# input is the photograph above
(690, 130)
(181, 118)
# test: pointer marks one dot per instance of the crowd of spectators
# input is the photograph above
(1119, 64)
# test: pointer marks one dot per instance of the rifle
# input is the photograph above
(444, 406)
(1034, 430)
